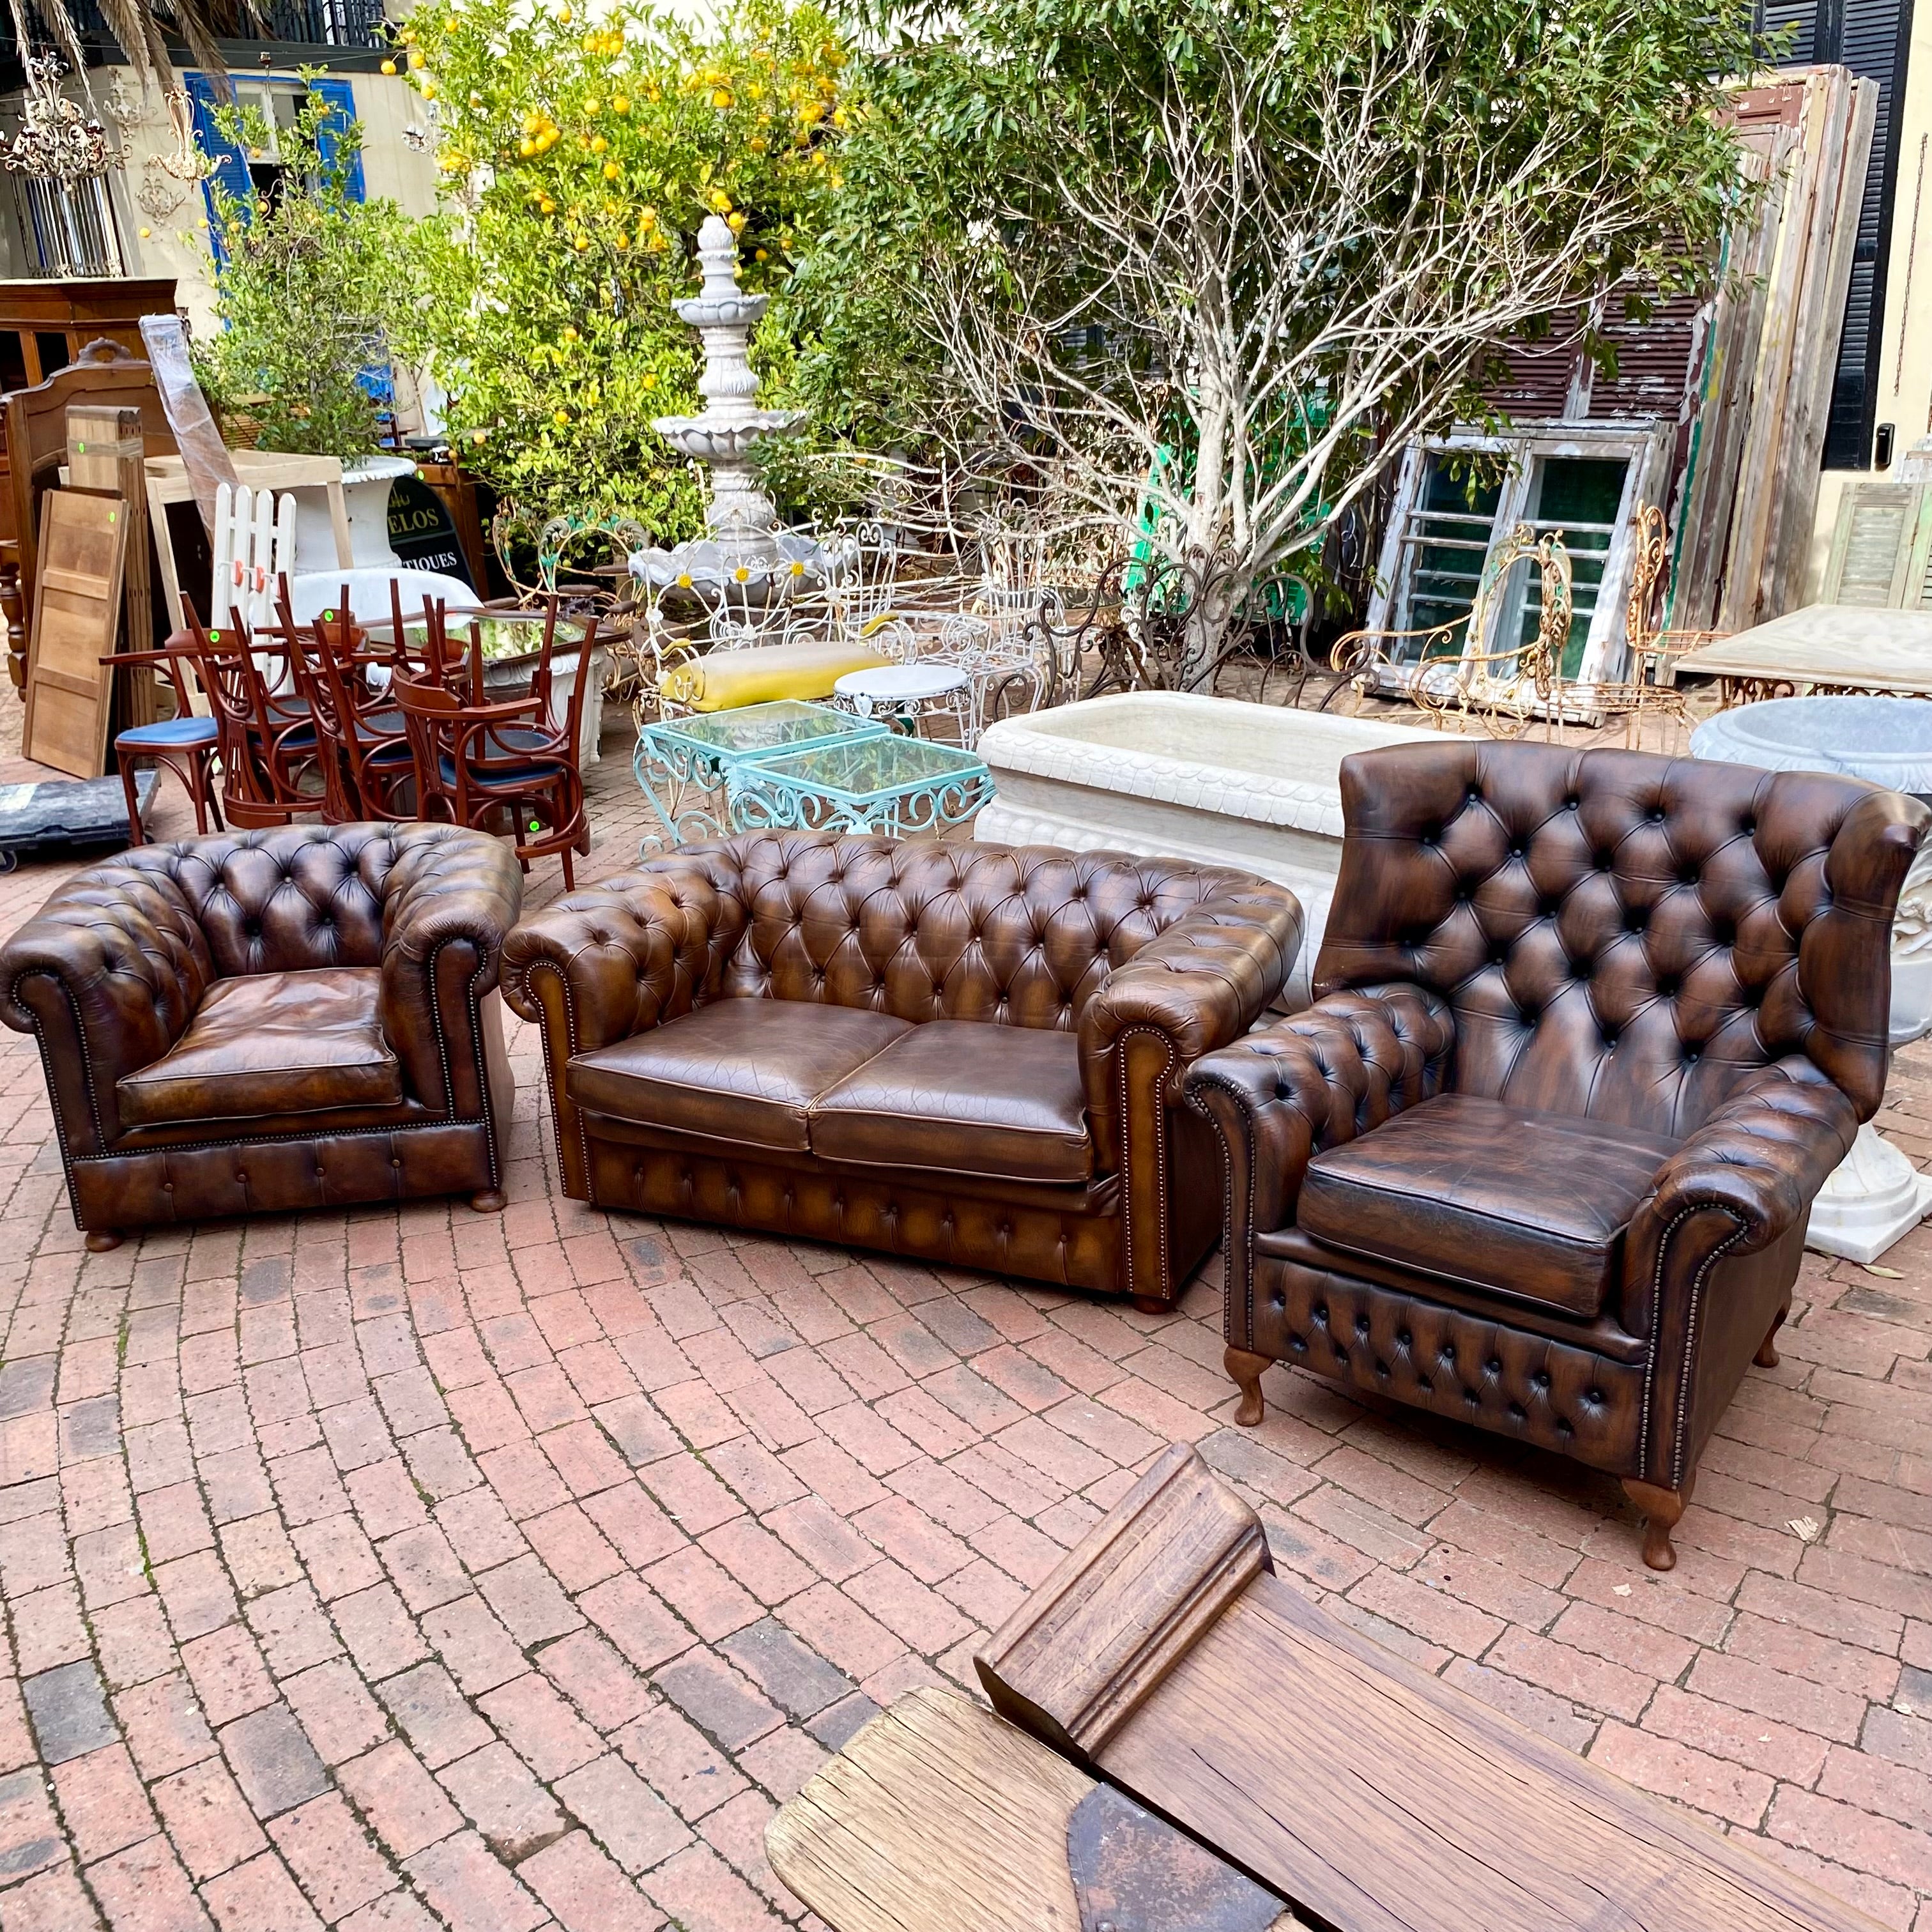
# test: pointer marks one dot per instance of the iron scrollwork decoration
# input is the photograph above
(57, 141)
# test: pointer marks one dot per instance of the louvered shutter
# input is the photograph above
(1879, 534)
(231, 170)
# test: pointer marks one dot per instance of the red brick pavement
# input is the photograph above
(395, 1569)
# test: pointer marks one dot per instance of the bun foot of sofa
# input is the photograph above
(1244, 1370)
(1661, 1510)
(1766, 1357)
(1152, 1304)
(103, 1241)
(489, 1201)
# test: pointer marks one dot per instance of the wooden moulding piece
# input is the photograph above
(1121, 1609)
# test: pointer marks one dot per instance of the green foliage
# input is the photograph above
(1283, 235)
(579, 161)
(315, 286)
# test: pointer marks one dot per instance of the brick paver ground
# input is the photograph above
(395, 1569)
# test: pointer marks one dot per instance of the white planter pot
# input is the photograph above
(1176, 775)
(365, 495)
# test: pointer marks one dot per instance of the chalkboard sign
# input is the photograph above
(420, 531)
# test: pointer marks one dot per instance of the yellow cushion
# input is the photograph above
(724, 680)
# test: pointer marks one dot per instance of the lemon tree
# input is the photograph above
(579, 155)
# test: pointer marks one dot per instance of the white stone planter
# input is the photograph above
(1161, 773)
(365, 496)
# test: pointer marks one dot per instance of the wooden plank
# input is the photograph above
(83, 543)
(938, 1817)
(1420, 1806)
(1833, 247)
(1369, 1794)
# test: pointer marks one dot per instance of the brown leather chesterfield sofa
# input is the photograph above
(1590, 1029)
(968, 1054)
(298, 1018)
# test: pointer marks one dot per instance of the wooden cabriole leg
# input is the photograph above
(488, 1201)
(102, 1240)
(1244, 1370)
(1766, 1357)
(1661, 1509)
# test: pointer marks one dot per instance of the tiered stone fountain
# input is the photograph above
(745, 547)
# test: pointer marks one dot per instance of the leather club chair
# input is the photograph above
(1590, 1029)
(966, 1054)
(303, 1017)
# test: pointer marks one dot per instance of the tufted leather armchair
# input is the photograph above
(1591, 1031)
(969, 1054)
(298, 1018)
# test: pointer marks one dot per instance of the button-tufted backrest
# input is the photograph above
(272, 901)
(1021, 935)
(1618, 935)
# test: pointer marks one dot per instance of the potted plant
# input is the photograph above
(315, 291)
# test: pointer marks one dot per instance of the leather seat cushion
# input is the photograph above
(300, 1042)
(1525, 1203)
(744, 1070)
(963, 1096)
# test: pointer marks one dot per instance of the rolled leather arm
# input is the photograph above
(108, 974)
(1202, 983)
(623, 955)
(1333, 1071)
(1747, 1177)
(449, 902)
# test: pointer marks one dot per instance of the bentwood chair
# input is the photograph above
(362, 742)
(475, 761)
(270, 770)
(185, 744)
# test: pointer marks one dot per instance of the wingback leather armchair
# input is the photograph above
(1590, 1029)
(298, 1018)
(963, 1053)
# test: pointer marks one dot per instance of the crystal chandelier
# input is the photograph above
(56, 141)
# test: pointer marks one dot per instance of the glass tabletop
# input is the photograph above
(767, 727)
(859, 769)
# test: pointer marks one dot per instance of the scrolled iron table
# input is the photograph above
(885, 783)
(704, 751)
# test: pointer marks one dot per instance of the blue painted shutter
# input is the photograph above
(341, 99)
(231, 169)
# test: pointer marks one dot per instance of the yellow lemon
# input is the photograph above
(569, 334)
(761, 255)
(591, 106)
(526, 147)
(429, 90)
(145, 233)
(560, 416)
(476, 436)
(649, 380)
(565, 15)
(389, 66)
(547, 206)
(736, 223)
(611, 171)
(647, 219)
(621, 105)
(598, 144)
(583, 243)
(620, 240)
(720, 98)
(757, 144)
(418, 57)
